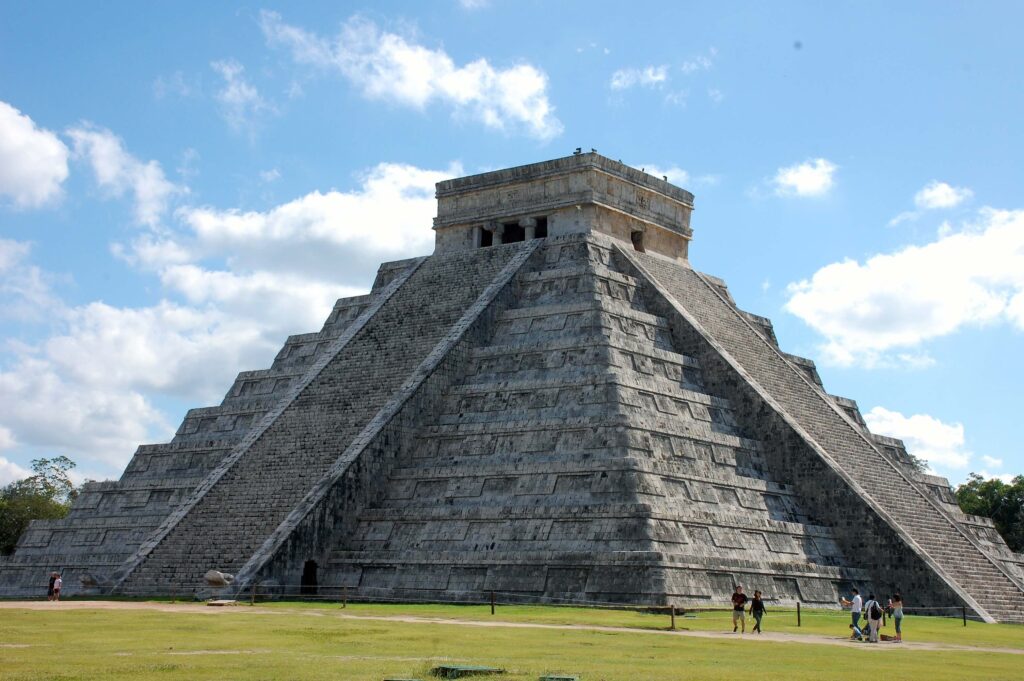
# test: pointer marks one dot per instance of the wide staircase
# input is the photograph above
(582, 459)
(233, 513)
(933, 533)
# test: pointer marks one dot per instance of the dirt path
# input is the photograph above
(202, 608)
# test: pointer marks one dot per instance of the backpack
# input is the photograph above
(875, 612)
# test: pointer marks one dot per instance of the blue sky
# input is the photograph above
(183, 185)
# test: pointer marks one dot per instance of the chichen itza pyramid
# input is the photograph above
(554, 406)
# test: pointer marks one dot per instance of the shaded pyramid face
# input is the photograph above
(582, 457)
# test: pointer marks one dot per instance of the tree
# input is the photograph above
(1000, 501)
(45, 495)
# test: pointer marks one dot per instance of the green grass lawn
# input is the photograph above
(310, 641)
(831, 623)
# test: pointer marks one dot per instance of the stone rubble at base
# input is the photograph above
(554, 406)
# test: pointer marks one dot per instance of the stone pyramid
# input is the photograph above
(554, 406)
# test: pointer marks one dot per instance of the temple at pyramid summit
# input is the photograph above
(554, 406)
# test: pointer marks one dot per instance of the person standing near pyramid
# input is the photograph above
(757, 610)
(855, 604)
(739, 602)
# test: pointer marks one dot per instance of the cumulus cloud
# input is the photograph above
(813, 177)
(868, 312)
(940, 444)
(390, 67)
(118, 172)
(240, 102)
(941, 195)
(933, 196)
(10, 471)
(650, 76)
(33, 161)
(388, 216)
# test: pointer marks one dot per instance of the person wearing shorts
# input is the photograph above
(739, 602)
(58, 584)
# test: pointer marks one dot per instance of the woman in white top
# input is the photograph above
(897, 615)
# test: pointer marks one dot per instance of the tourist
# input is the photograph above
(58, 584)
(855, 604)
(757, 610)
(739, 601)
(897, 615)
(873, 610)
(49, 587)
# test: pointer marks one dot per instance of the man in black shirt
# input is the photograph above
(739, 600)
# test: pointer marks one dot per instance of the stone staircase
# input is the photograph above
(344, 382)
(929, 530)
(580, 458)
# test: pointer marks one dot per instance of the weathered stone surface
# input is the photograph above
(556, 418)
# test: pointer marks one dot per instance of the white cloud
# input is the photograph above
(390, 67)
(813, 177)
(24, 289)
(100, 424)
(700, 63)
(941, 195)
(933, 196)
(271, 175)
(388, 216)
(33, 161)
(474, 4)
(926, 437)
(1006, 478)
(991, 461)
(905, 216)
(715, 95)
(241, 103)
(649, 76)
(675, 174)
(10, 471)
(118, 172)
(973, 276)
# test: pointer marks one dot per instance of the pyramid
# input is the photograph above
(553, 407)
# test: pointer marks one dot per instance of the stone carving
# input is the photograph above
(218, 578)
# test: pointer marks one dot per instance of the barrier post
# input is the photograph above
(492, 602)
(672, 609)
(344, 597)
(798, 613)
(252, 595)
(964, 607)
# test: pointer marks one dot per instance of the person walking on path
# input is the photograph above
(855, 604)
(897, 615)
(58, 584)
(739, 602)
(874, 613)
(757, 610)
(49, 587)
